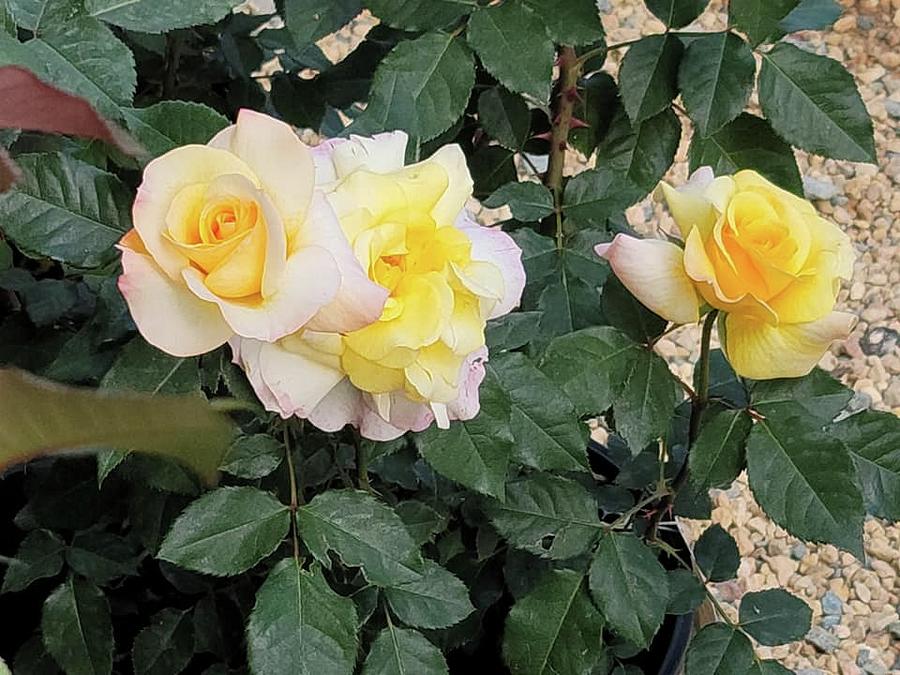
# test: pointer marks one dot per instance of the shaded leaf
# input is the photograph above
(300, 626)
(648, 77)
(717, 456)
(226, 531)
(103, 557)
(419, 14)
(686, 593)
(873, 441)
(716, 554)
(253, 456)
(401, 651)
(157, 16)
(629, 586)
(437, 599)
(811, 15)
(77, 628)
(759, 19)
(364, 533)
(165, 646)
(40, 555)
(719, 650)
(504, 117)
(310, 20)
(569, 22)
(676, 13)
(167, 125)
(546, 515)
(528, 201)
(774, 617)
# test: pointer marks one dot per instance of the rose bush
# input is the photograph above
(430, 305)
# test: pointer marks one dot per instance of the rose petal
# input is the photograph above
(311, 280)
(493, 245)
(653, 270)
(763, 351)
(168, 315)
(280, 160)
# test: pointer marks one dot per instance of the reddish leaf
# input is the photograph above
(26, 102)
(9, 171)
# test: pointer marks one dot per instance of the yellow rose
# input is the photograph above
(445, 276)
(230, 238)
(755, 252)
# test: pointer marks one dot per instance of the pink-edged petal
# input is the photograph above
(245, 354)
(296, 381)
(359, 301)
(282, 162)
(763, 351)
(493, 245)
(164, 177)
(345, 405)
(169, 316)
(311, 280)
(471, 376)
(653, 270)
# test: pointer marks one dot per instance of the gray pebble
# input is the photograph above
(810, 671)
(822, 640)
(865, 22)
(893, 108)
(863, 656)
(894, 629)
(817, 188)
(831, 604)
(878, 341)
(799, 551)
(875, 668)
(605, 6)
(830, 621)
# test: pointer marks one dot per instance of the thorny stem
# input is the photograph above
(698, 405)
(173, 57)
(295, 499)
(569, 72)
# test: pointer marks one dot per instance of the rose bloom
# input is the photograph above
(230, 238)
(444, 274)
(754, 251)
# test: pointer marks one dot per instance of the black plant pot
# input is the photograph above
(665, 655)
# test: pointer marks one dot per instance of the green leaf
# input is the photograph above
(724, 383)
(747, 142)
(419, 14)
(626, 313)
(873, 441)
(676, 13)
(548, 515)
(548, 434)
(32, 659)
(562, 282)
(649, 74)
(820, 396)
(422, 521)
(686, 593)
(719, 650)
(437, 599)
(226, 531)
(253, 457)
(511, 331)
(401, 651)
(300, 626)
(165, 646)
(158, 16)
(717, 456)
(142, 367)
(504, 117)
(811, 15)
(631, 161)
(569, 22)
(716, 77)
(491, 167)
(601, 367)
(66, 210)
(501, 35)
(422, 86)
(40, 555)
(812, 102)
(629, 586)
(311, 20)
(805, 480)
(39, 417)
(77, 54)
(774, 617)
(716, 554)
(598, 103)
(169, 124)
(554, 628)
(759, 19)
(77, 628)
(528, 201)
(768, 667)
(103, 557)
(364, 533)
(474, 453)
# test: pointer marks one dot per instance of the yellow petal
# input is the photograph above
(369, 375)
(653, 270)
(459, 184)
(240, 274)
(435, 374)
(761, 351)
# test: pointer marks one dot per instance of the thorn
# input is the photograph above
(546, 136)
(578, 124)
(562, 146)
